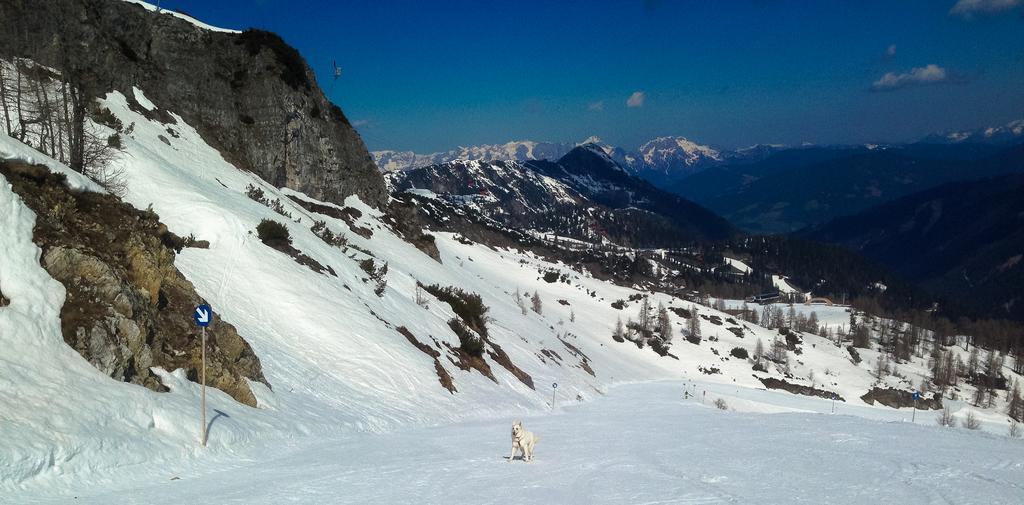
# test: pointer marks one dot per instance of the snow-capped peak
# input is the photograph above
(665, 154)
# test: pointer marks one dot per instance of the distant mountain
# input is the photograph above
(662, 160)
(795, 188)
(1009, 133)
(585, 195)
(964, 240)
(669, 159)
(522, 150)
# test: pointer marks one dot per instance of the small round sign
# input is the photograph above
(202, 315)
(554, 385)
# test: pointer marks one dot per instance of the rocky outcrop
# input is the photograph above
(897, 399)
(127, 307)
(249, 94)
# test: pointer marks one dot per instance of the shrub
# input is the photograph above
(114, 141)
(1014, 431)
(693, 339)
(551, 277)
(321, 230)
(945, 418)
(972, 422)
(659, 346)
(255, 193)
(468, 306)
(378, 275)
(274, 234)
(721, 405)
(739, 352)
(468, 341)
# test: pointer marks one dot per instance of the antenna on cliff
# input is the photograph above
(337, 74)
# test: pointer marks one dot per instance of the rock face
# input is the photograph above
(127, 307)
(249, 94)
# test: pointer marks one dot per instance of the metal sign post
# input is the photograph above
(202, 316)
(554, 389)
(833, 404)
(913, 416)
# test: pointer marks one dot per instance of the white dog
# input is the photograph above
(523, 441)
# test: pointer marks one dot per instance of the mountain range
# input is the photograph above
(585, 195)
(662, 159)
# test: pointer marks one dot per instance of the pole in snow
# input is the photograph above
(913, 415)
(554, 388)
(833, 404)
(202, 316)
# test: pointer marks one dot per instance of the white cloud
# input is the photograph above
(967, 8)
(917, 76)
(596, 106)
(636, 99)
(890, 52)
(360, 122)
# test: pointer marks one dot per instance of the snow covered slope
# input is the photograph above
(341, 360)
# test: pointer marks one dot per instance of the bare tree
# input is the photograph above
(972, 422)
(536, 303)
(693, 325)
(945, 418)
(664, 324)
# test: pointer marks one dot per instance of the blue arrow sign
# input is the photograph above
(917, 396)
(203, 315)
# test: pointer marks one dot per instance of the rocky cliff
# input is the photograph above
(127, 307)
(250, 94)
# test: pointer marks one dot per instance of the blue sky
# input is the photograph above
(431, 75)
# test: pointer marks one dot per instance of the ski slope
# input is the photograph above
(641, 443)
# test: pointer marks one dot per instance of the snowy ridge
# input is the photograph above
(521, 150)
(153, 8)
(1008, 133)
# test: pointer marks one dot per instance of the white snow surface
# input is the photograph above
(153, 8)
(357, 414)
(739, 265)
(779, 281)
(641, 443)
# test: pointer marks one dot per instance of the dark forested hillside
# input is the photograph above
(799, 188)
(963, 240)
